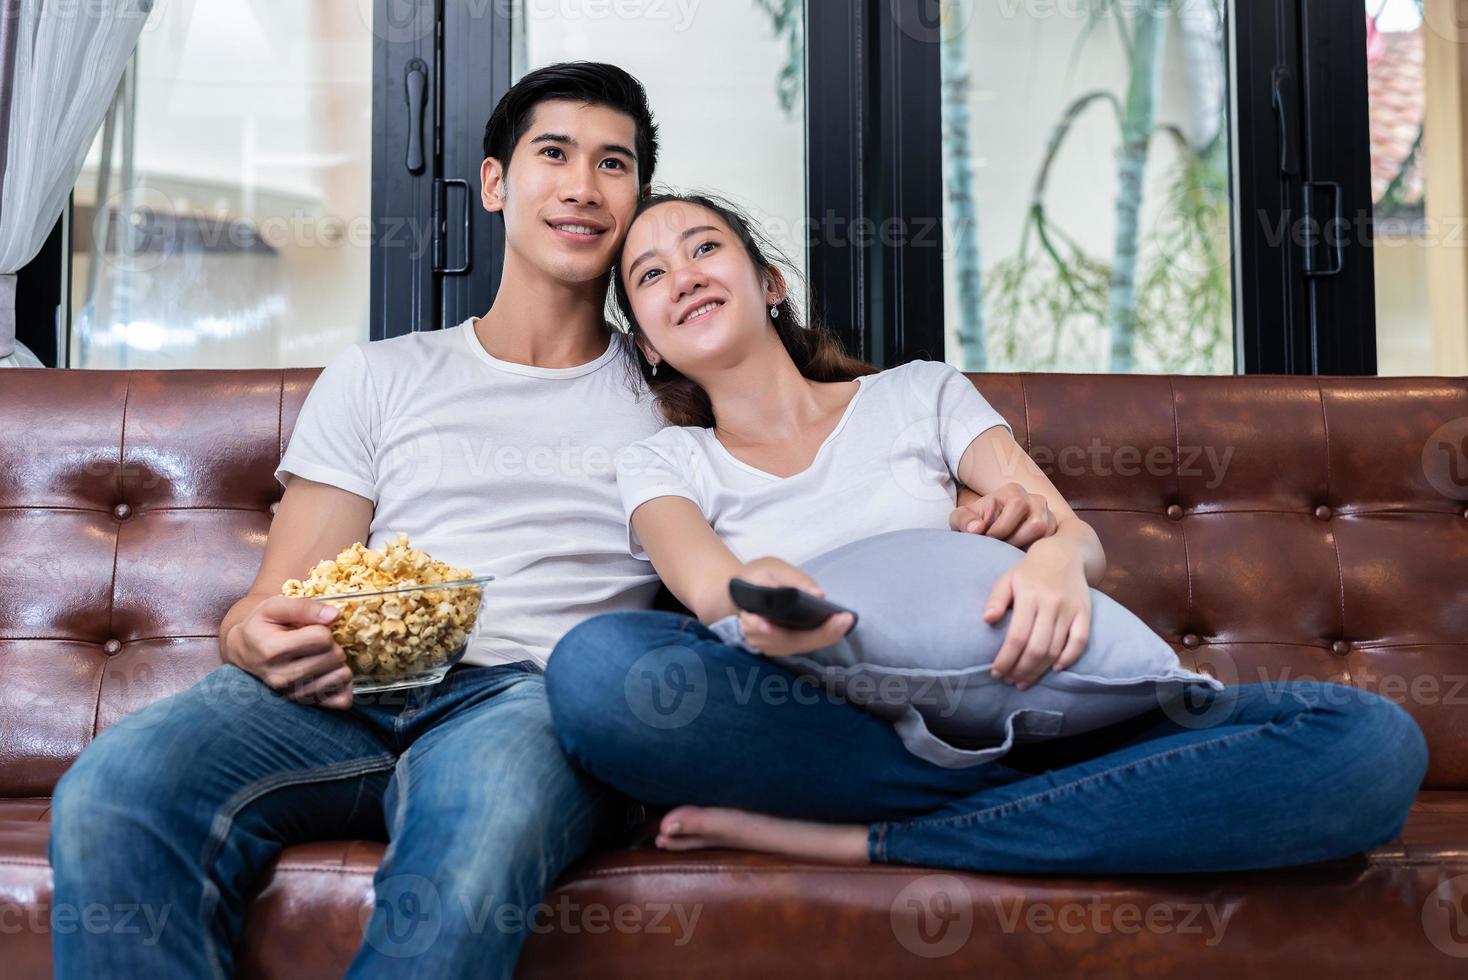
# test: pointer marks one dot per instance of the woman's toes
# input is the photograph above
(683, 820)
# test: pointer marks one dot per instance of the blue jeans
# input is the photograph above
(180, 806)
(1256, 776)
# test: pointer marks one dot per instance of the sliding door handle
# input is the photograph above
(1329, 237)
(440, 227)
(415, 86)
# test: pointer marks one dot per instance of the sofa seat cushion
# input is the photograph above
(631, 912)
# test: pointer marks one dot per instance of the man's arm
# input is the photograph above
(1010, 512)
(283, 641)
(994, 461)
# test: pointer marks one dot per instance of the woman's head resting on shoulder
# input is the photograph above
(702, 291)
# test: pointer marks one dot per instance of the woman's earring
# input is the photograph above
(774, 313)
(654, 369)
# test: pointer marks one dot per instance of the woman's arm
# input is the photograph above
(696, 566)
(689, 557)
(994, 459)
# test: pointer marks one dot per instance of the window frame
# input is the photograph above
(874, 182)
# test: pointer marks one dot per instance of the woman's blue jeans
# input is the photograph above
(1256, 776)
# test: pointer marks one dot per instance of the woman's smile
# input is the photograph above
(701, 312)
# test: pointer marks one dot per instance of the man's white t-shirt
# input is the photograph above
(503, 468)
(890, 463)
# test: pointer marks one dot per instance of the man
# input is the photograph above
(492, 445)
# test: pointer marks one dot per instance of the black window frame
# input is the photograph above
(1305, 288)
(43, 298)
(874, 186)
(1304, 292)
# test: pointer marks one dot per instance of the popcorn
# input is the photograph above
(389, 636)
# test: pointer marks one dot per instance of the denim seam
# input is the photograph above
(224, 822)
(395, 828)
(1012, 805)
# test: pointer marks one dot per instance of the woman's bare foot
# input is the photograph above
(690, 827)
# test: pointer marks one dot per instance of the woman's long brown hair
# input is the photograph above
(817, 353)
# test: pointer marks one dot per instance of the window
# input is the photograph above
(726, 83)
(1421, 301)
(222, 218)
(1086, 187)
(1170, 186)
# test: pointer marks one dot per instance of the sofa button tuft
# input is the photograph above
(1192, 640)
(1340, 648)
(112, 647)
(1323, 512)
(122, 512)
(1175, 512)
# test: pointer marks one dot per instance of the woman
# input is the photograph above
(781, 448)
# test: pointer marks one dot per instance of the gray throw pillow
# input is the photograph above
(920, 654)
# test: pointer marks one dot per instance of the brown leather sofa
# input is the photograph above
(1271, 528)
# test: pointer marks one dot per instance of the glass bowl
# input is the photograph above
(407, 637)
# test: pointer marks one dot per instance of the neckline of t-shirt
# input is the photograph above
(820, 450)
(530, 370)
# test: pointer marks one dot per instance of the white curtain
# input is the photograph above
(69, 57)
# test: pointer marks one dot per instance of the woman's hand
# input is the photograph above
(1011, 513)
(776, 641)
(1052, 613)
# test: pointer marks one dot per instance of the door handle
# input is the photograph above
(1332, 241)
(440, 227)
(415, 87)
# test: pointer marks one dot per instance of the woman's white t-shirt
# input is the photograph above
(890, 463)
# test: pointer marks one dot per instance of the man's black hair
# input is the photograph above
(587, 82)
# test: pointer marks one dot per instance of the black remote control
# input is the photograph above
(787, 607)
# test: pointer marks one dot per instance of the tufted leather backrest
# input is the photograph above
(134, 508)
(1269, 527)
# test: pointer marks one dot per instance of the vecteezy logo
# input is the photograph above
(1198, 706)
(667, 688)
(931, 21)
(414, 466)
(1445, 917)
(405, 917)
(1445, 459)
(401, 21)
(933, 916)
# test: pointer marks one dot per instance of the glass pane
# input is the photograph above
(726, 82)
(1421, 320)
(1086, 173)
(223, 217)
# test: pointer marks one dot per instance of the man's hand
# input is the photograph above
(287, 644)
(776, 641)
(1011, 513)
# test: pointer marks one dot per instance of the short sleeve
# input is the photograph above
(659, 466)
(334, 438)
(960, 412)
